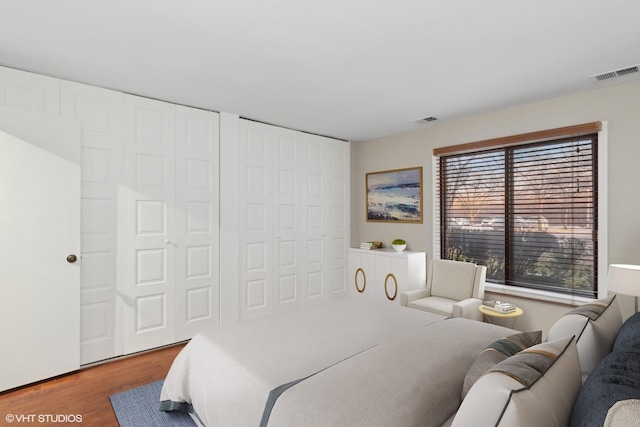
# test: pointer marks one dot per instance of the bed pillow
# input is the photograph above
(595, 326)
(616, 378)
(496, 352)
(624, 414)
(629, 332)
(536, 387)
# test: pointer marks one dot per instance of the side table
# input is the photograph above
(492, 315)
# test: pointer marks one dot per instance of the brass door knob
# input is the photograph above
(72, 258)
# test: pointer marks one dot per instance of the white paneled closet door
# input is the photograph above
(197, 219)
(100, 114)
(337, 213)
(148, 224)
(28, 91)
(255, 177)
(289, 154)
(293, 227)
(326, 226)
(315, 222)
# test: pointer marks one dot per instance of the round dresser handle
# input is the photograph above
(395, 282)
(364, 277)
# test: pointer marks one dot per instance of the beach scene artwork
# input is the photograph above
(395, 195)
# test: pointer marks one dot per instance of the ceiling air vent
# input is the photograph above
(616, 73)
(425, 120)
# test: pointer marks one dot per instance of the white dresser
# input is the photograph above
(384, 273)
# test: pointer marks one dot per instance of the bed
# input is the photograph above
(344, 363)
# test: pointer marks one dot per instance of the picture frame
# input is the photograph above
(394, 196)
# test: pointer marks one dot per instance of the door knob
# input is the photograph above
(72, 258)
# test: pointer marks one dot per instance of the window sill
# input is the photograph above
(536, 294)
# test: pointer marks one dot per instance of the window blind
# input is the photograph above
(528, 212)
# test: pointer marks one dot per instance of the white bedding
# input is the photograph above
(344, 363)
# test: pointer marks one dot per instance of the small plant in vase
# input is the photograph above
(399, 245)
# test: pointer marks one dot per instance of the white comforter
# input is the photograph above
(345, 363)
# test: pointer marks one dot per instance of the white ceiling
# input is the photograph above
(351, 69)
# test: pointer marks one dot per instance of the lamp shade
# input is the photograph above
(624, 279)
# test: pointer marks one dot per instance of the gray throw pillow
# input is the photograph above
(496, 352)
(536, 387)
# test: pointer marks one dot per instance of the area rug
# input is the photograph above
(138, 407)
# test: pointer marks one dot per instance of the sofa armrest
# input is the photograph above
(468, 309)
(406, 297)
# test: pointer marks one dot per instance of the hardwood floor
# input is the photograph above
(86, 392)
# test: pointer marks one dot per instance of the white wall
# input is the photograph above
(619, 105)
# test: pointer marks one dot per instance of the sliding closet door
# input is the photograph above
(288, 226)
(336, 207)
(315, 222)
(148, 224)
(326, 207)
(40, 252)
(100, 114)
(255, 185)
(197, 218)
(293, 219)
(29, 91)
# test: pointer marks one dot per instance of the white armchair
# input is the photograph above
(454, 288)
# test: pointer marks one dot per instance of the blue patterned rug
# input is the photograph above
(138, 407)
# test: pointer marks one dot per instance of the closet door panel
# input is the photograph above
(315, 283)
(289, 153)
(29, 91)
(197, 257)
(255, 183)
(100, 113)
(293, 228)
(337, 213)
(149, 224)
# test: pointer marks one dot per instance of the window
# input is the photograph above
(528, 212)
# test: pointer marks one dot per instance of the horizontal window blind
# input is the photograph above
(527, 212)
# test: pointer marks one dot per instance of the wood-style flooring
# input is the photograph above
(86, 392)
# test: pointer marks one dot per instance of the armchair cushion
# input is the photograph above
(444, 273)
(437, 305)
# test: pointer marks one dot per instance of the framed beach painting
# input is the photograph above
(395, 196)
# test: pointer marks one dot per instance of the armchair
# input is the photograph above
(454, 288)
